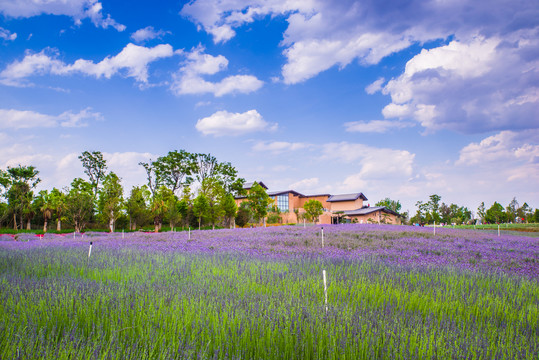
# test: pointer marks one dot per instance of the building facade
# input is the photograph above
(336, 208)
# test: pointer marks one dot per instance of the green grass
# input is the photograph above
(132, 304)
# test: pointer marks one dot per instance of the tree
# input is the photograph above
(46, 206)
(158, 207)
(95, 167)
(228, 176)
(229, 208)
(200, 208)
(481, 212)
(258, 201)
(243, 215)
(204, 166)
(136, 206)
(154, 181)
(175, 169)
(110, 201)
(495, 214)
(390, 204)
(18, 183)
(80, 203)
(525, 212)
(214, 193)
(433, 206)
(58, 203)
(313, 209)
(512, 209)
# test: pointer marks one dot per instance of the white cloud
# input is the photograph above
(375, 86)
(473, 86)
(502, 148)
(147, 33)
(188, 79)
(375, 126)
(374, 163)
(7, 35)
(24, 119)
(77, 9)
(133, 59)
(279, 146)
(224, 123)
(306, 184)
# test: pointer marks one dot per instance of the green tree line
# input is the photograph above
(182, 189)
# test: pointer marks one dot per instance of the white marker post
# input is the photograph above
(325, 289)
(189, 233)
(123, 233)
(498, 229)
(89, 252)
(73, 234)
(434, 228)
(322, 237)
(304, 223)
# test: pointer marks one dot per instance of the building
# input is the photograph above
(337, 208)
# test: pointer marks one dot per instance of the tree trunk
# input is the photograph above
(28, 225)
(111, 221)
(133, 225)
(59, 225)
(45, 225)
(156, 228)
(199, 220)
(14, 221)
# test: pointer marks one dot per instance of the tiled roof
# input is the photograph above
(275, 193)
(250, 185)
(368, 210)
(346, 197)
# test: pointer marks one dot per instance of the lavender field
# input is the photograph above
(392, 291)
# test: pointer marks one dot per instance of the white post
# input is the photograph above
(264, 222)
(325, 289)
(73, 234)
(304, 223)
(89, 252)
(123, 233)
(434, 228)
(498, 229)
(189, 233)
(322, 237)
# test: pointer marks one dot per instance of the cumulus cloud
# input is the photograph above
(484, 79)
(77, 9)
(474, 86)
(375, 126)
(133, 60)
(374, 163)
(224, 123)
(307, 184)
(7, 35)
(188, 80)
(147, 33)
(25, 119)
(279, 146)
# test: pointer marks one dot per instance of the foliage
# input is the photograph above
(243, 215)
(95, 167)
(258, 201)
(393, 205)
(313, 209)
(229, 208)
(174, 170)
(201, 207)
(110, 202)
(80, 203)
(495, 214)
(137, 206)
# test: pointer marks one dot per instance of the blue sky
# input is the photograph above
(399, 99)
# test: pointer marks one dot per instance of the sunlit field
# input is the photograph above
(393, 292)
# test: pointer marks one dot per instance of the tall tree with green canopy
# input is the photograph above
(434, 205)
(481, 212)
(228, 177)
(258, 201)
(58, 203)
(200, 208)
(214, 193)
(511, 209)
(495, 214)
(137, 206)
(46, 206)
(313, 209)
(18, 183)
(175, 169)
(204, 166)
(80, 203)
(95, 166)
(110, 202)
(229, 208)
(158, 207)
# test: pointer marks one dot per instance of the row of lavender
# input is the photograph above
(395, 244)
(393, 292)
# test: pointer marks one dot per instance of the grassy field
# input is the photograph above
(393, 292)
